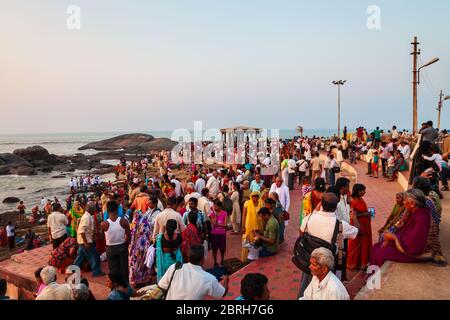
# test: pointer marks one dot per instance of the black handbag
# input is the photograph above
(307, 243)
(336, 169)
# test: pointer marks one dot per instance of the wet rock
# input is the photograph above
(21, 188)
(11, 200)
(119, 142)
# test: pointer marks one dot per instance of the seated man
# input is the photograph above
(254, 287)
(270, 240)
(324, 285)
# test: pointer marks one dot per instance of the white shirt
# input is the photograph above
(86, 226)
(191, 195)
(57, 223)
(339, 157)
(200, 185)
(191, 282)
(330, 288)
(394, 134)
(213, 185)
(177, 187)
(406, 151)
(321, 224)
(291, 166)
(204, 205)
(163, 217)
(55, 291)
(303, 165)
(283, 195)
(308, 155)
(10, 231)
(343, 209)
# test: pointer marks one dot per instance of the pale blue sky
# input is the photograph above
(160, 65)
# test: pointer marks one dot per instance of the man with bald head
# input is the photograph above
(321, 224)
(85, 239)
(283, 192)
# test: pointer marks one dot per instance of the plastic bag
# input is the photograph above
(150, 257)
(206, 247)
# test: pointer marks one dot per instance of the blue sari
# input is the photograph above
(164, 260)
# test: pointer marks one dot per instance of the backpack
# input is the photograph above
(227, 204)
(306, 244)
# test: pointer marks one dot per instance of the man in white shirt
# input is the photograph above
(292, 166)
(203, 202)
(394, 132)
(283, 193)
(85, 239)
(56, 223)
(214, 184)
(324, 285)
(190, 281)
(177, 186)
(321, 224)
(405, 150)
(302, 168)
(316, 166)
(168, 214)
(53, 290)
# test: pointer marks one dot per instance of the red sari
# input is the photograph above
(359, 248)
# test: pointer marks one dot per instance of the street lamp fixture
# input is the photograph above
(339, 83)
(434, 60)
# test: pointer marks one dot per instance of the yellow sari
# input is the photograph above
(252, 223)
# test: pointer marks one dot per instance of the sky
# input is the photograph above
(159, 65)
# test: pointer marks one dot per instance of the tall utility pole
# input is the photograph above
(415, 55)
(339, 83)
(441, 97)
(439, 108)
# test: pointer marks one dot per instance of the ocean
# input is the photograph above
(68, 144)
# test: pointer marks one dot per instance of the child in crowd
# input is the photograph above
(218, 219)
(375, 164)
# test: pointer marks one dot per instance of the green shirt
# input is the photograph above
(271, 231)
(377, 134)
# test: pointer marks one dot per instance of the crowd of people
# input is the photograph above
(157, 230)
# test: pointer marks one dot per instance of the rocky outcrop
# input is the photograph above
(132, 143)
(11, 200)
(119, 142)
(13, 164)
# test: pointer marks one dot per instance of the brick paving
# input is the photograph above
(284, 277)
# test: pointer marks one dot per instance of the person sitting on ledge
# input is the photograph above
(270, 239)
(408, 240)
(324, 285)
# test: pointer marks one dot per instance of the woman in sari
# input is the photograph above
(64, 255)
(168, 248)
(359, 248)
(74, 217)
(408, 242)
(250, 221)
(396, 213)
(312, 199)
(141, 235)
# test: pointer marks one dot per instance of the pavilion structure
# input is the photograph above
(240, 133)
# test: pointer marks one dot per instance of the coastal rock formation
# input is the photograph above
(120, 142)
(132, 143)
(12, 164)
(11, 200)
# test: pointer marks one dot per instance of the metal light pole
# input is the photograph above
(416, 79)
(441, 100)
(339, 83)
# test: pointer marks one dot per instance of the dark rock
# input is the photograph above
(22, 171)
(64, 168)
(32, 153)
(21, 188)
(103, 171)
(119, 142)
(59, 176)
(9, 159)
(11, 200)
(154, 145)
